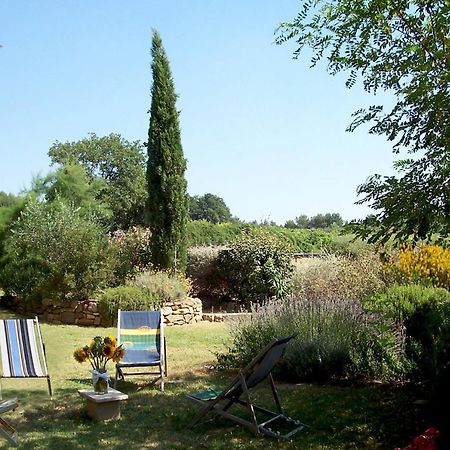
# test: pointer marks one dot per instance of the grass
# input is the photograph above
(340, 417)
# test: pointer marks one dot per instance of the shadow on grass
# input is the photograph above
(340, 417)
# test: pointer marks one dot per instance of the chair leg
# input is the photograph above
(161, 369)
(49, 387)
(249, 405)
(8, 432)
(118, 373)
(165, 357)
(275, 394)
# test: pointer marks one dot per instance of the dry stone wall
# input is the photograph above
(86, 313)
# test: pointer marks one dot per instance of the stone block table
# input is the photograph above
(103, 406)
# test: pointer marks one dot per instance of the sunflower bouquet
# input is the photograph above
(98, 353)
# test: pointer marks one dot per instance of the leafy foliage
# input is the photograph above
(72, 183)
(124, 297)
(201, 232)
(400, 46)
(53, 251)
(256, 267)
(425, 313)
(8, 199)
(209, 207)
(203, 271)
(9, 212)
(132, 249)
(166, 184)
(115, 170)
(318, 221)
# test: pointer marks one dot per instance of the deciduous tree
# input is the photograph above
(116, 167)
(209, 207)
(402, 46)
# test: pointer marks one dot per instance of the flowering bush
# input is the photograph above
(99, 352)
(133, 251)
(425, 441)
(427, 264)
(334, 338)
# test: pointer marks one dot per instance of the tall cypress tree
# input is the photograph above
(167, 198)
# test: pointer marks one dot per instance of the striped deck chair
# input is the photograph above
(141, 334)
(22, 350)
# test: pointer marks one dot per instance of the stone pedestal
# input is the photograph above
(103, 406)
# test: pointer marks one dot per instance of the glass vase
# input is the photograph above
(100, 381)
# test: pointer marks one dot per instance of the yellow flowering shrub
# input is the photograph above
(427, 264)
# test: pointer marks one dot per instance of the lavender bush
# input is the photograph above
(333, 338)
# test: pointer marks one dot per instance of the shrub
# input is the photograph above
(128, 298)
(333, 338)
(162, 286)
(133, 251)
(347, 245)
(147, 291)
(425, 313)
(203, 233)
(256, 267)
(202, 270)
(427, 264)
(339, 276)
(53, 251)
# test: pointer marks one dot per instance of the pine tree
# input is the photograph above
(167, 198)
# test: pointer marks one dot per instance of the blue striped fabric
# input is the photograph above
(139, 334)
(19, 349)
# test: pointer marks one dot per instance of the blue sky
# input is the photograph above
(259, 129)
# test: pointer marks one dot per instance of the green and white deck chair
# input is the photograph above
(22, 350)
(141, 333)
(6, 430)
(219, 402)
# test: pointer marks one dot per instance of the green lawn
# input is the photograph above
(339, 417)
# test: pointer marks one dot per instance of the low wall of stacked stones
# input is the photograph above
(86, 313)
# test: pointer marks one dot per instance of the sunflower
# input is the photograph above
(111, 340)
(80, 355)
(118, 354)
(108, 350)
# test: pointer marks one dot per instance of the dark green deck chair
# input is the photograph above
(141, 334)
(219, 402)
(6, 430)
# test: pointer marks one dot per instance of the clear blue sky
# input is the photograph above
(259, 129)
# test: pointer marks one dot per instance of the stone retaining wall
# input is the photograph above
(181, 313)
(86, 313)
(225, 317)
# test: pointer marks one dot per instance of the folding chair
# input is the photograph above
(6, 430)
(219, 402)
(141, 334)
(22, 350)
